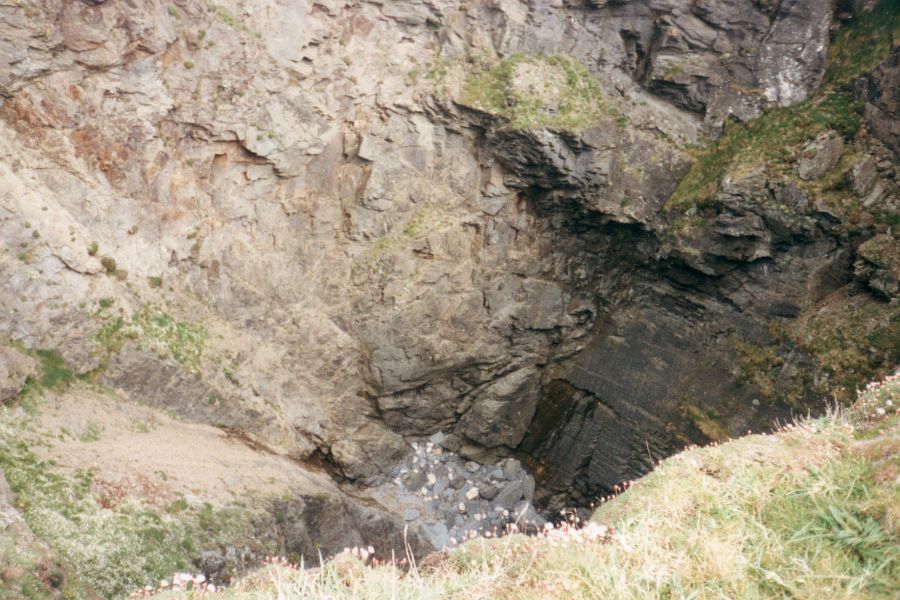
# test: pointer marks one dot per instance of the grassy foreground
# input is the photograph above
(812, 511)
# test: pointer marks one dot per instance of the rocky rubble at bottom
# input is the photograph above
(448, 499)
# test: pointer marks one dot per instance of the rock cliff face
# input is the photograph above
(338, 226)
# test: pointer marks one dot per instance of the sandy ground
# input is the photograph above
(137, 450)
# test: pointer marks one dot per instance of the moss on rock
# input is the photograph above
(531, 92)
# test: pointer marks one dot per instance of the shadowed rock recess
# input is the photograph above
(450, 262)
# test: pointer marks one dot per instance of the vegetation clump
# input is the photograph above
(530, 92)
(54, 372)
(109, 265)
(153, 329)
(776, 139)
(113, 548)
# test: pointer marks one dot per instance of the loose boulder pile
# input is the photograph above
(449, 499)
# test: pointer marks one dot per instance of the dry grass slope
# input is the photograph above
(812, 511)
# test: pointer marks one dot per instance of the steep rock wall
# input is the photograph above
(342, 247)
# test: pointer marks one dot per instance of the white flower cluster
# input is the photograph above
(180, 582)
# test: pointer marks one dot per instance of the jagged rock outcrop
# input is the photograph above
(292, 220)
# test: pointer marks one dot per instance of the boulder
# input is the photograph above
(820, 155)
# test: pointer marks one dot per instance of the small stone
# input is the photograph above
(488, 491)
(437, 438)
(410, 514)
(430, 479)
(461, 507)
(457, 482)
(414, 480)
(472, 467)
(528, 488)
(472, 493)
(510, 494)
(512, 468)
(497, 473)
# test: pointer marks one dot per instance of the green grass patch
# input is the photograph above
(234, 22)
(154, 329)
(775, 141)
(855, 338)
(54, 373)
(529, 92)
(832, 523)
(862, 45)
(113, 549)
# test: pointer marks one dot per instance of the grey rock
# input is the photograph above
(526, 516)
(457, 482)
(488, 491)
(510, 494)
(410, 514)
(435, 534)
(878, 265)
(415, 480)
(528, 488)
(512, 468)
(15, 368)
(356, 310)
(502, 410)
(820, 156)
(863, 176)
(881, 93)
(472, 467)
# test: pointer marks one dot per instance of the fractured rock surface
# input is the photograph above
(287, 219)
